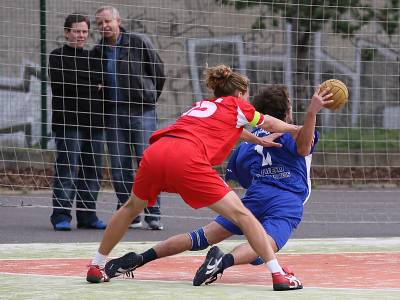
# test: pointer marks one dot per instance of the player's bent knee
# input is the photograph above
(242, 218)
(238, 214)
(199, 240)
(135, 205)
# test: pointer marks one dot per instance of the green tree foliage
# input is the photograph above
(346, 16)
(389, 16)
(309, 16)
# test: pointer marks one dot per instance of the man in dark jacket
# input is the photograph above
(77, 123)
(134, 81)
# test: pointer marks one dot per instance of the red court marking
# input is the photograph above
(343, 270)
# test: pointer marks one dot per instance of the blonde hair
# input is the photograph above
(225, 82)
(114, 12)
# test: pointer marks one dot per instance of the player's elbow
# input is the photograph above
(303, 150)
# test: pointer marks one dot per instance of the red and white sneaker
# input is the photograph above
(285, 282)
(96, 275)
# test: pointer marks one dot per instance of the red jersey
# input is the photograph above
(214, 124)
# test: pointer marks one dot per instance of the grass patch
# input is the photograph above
(359, 139)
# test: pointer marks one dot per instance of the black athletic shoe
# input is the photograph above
(123, 265)
(212, 266)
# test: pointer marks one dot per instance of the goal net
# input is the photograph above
(288, 42)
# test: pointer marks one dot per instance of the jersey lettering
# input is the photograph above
(203, 109)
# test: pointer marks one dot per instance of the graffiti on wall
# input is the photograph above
(20, 100)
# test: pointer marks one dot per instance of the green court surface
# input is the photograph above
(28, 271)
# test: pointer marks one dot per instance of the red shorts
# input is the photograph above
(177, 165)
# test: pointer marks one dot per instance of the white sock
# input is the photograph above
(99, 260)
(274, 267)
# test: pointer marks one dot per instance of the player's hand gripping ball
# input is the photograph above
(339, 91)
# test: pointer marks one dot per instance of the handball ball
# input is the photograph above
(339, 91)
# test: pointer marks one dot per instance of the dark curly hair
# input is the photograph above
(273, 100)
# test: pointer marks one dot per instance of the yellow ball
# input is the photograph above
(339, 91)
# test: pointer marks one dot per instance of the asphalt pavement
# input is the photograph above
(329, 213)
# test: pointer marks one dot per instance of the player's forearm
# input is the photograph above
(305, 138)
(248, 137)
(273, 124)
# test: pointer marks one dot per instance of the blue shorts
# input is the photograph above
(280, 229)
(279, 212)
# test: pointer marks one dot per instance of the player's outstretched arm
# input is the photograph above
(273, 124)
(267, 141)
(305, 137)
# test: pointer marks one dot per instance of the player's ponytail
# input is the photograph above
(224, 82)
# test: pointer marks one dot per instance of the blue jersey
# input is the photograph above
(272, 169)
(277, 182)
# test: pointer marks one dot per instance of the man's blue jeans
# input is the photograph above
(127, 137)
(78, 172)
